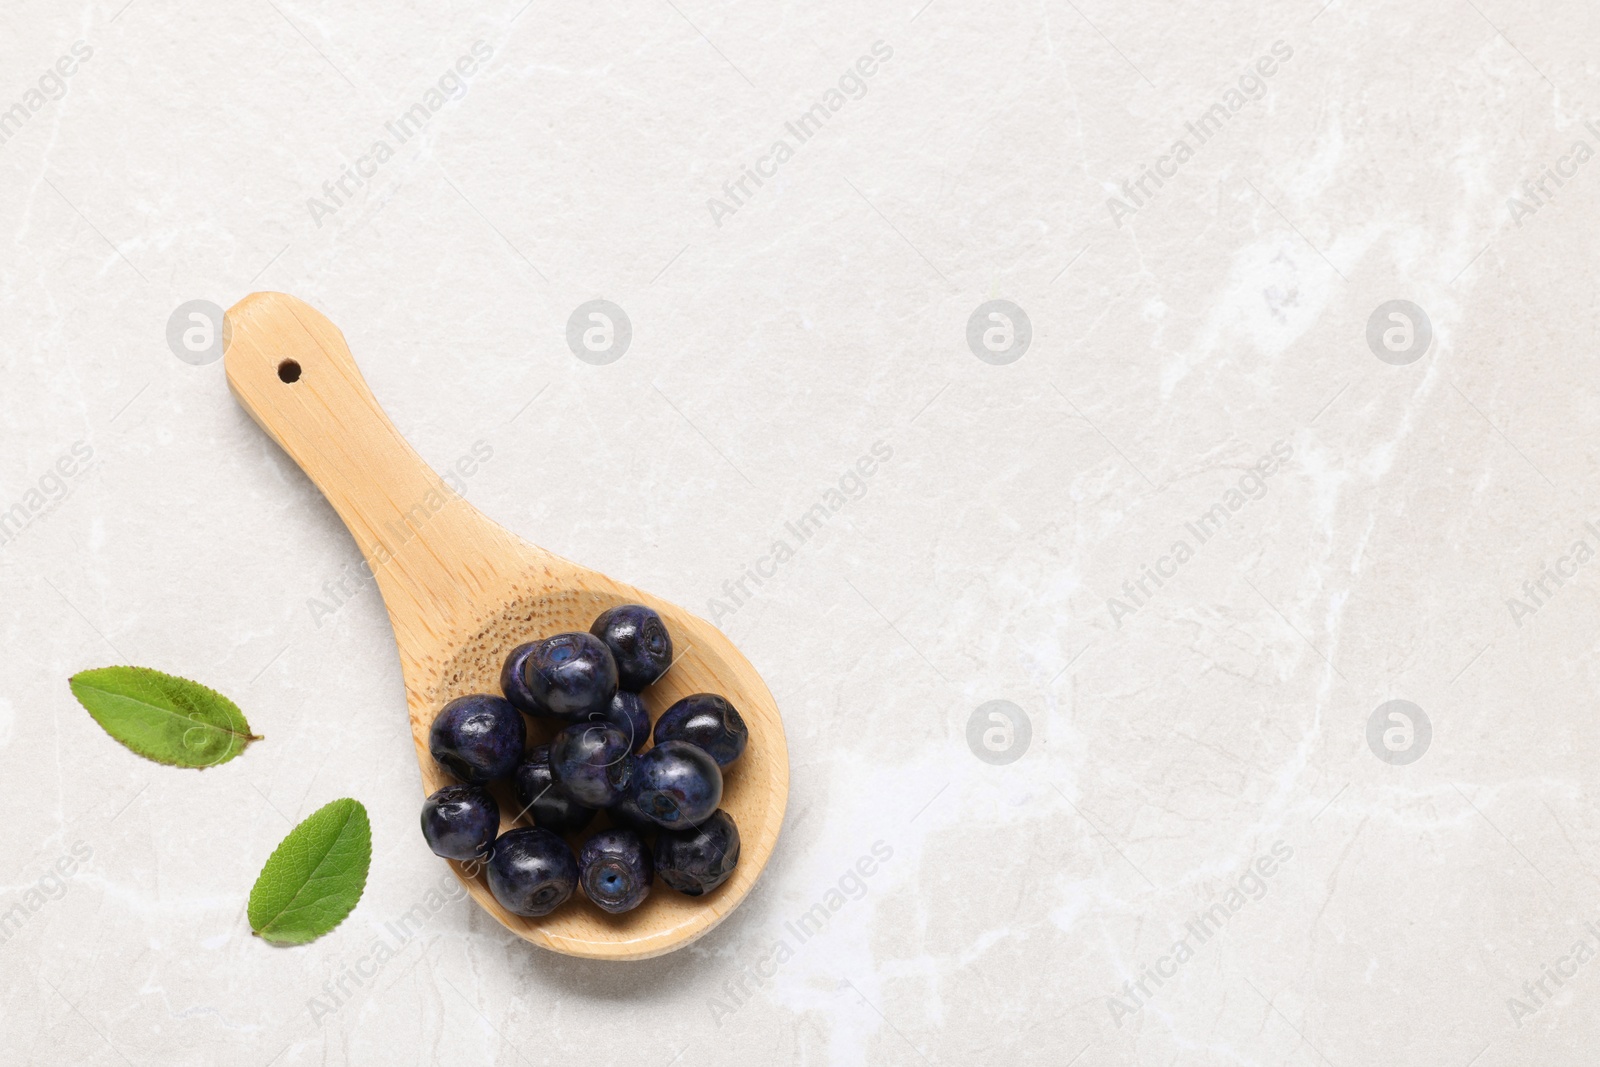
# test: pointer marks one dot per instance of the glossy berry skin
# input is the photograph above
(531, 871)
(676, 784)
(615, 869)
(697, 860)
(706, 721)
(459, 822)
(546, 803)
(478, 738)
(592, 763)
(569, 676)
(638, 641)
(627, 713)
(512, 683)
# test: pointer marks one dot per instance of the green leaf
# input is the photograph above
(315, 876)
(163, 717)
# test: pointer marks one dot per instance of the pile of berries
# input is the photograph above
(588, 685)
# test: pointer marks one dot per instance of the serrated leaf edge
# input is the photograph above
(74, 683)
(360, 892)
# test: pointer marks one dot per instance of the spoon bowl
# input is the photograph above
(461, 592)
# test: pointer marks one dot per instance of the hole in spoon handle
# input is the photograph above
(290, 368)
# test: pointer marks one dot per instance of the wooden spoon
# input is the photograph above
(461, 592)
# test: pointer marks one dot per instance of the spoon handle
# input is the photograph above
(436, 558)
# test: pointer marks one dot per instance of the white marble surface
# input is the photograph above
(1174, 344)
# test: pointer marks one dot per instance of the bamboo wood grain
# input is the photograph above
(461, 592)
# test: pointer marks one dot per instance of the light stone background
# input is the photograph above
(1171, 348)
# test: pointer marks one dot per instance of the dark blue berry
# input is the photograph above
(531, 871)
(638, 641)
(706, 721)
(459, 822)
(697, 860)
(626, 814)
(512, 683)
(676, 784)
(545, 802)
(627, 713)
(592, 763)
(615, 870)
(569, 676)
(478, 738)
